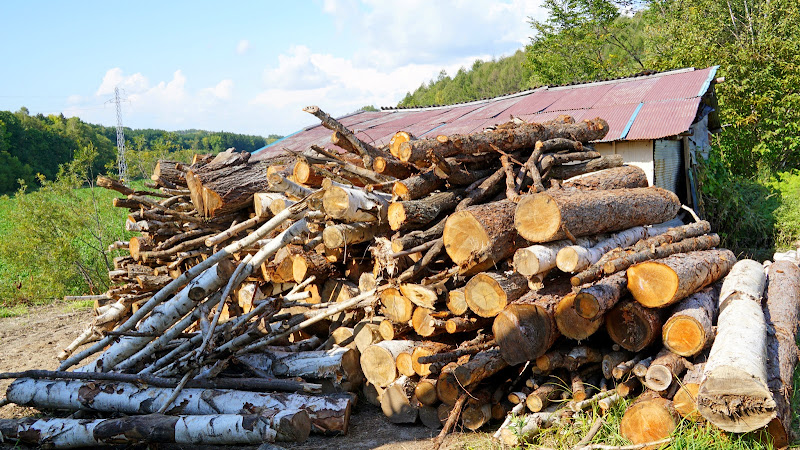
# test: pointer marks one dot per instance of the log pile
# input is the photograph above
(461, 279)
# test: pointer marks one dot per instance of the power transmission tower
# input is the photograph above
(122, 165)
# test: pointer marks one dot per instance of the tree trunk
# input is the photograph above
(505, 139)
(687, 245)
(216, 429)
(593, 301)
(781, 311)
(226, 186)
(417, 186)
(168, 171)
(649, 419)
(540, 258)
(398, 403)
(665, 367)
(378, 361)
(420, 212)
(354, 205)
(569, 359)
(555, 215)
(343, 234)
(465, 324)
(660, 283)
(426, 391)
(262, 203)
(689, 330)
(614, 178)
(329, 414)
(488, 293)
(573, 170)
(734, 394)
(572, 325)
(481, 236)
(337, 364)
(526, 328)
(312, 263)
(633, 326)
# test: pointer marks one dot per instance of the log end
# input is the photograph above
(684, 336)
(586, 305)
(484, 296)
(400, 190)
(567, 259)
(336, 202)
(524, 332)
(572, 325)
(685, 402)
(735, 401)
(333, 237)
(464, 237)
(652, 283)
(526, 263)
(378, 365)
(648, 421)
(397, 215)
(538, 218)
(396, 307)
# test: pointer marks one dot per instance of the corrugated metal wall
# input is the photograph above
(667, 163)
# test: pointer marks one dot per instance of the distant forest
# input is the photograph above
(34, 146)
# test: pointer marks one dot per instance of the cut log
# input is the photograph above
(417, 186)
(329, 414)
(540, 258)
(422, 296)
(666, 367)
(614, 178)
(399, 139)
(396, 307)
(337, 364)
(482, 365)
(478, 411)
(457, 301)
(689, 330)
(488, 293)
(426, 391)
(217, 429)
(465, 324)
(633, 326)
(573, 170)
(685, 400)
(571, 324)
(343, 234)
(569, 359)
(425, 349)
(687, 245)
(168, 171)
(418, 237)
(593, 301)
(610, 362)
(398, 403)
(428, 322)
(526, 329)
(734, 394)
(227, 185)
(420, 212)
(781, 311)
(305, 173)
(550, 216)
(262, 203)
(483, 191)
(505, 139)
(429, 416)
(526, 427)
(481, 236)
(354, 205)
(649, 419)
(365, 334)
(378, 361)
(660, 283)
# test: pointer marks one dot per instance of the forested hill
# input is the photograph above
(34, 145)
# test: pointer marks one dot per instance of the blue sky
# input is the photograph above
(244, 66)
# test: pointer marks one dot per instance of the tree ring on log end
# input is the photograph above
(382, 367)
(652, 284)
(684, 336)
(464, 237)
(537, 218)
(336, 202)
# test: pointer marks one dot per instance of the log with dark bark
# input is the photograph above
(423, 350)
(506, 139)
(569, 359)
(704, 242)
(555, 215)
(633, 326)
(417, 186)
(734, 394)
(781, 312)
(488, 293)
(226, 185)
(526, 328)
(614, 178)
(689, 330)
(548, 161)
(414, 213)
(594, 165)
(666, 281)
(167, 171)
(366, 151)
(481, 366)
(481, 236)
(480, 192)
(593, 301)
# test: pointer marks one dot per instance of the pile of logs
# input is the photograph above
(511, 275)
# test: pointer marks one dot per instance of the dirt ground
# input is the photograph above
(32, 341)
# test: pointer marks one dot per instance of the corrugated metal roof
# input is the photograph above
(646, 106)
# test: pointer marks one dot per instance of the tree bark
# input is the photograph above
(613, 178)
(168, 171)
(226, 186)
(689, 330)
(312, 264)
(573, 170)
(507, 139)
(540, 258)
(687, 245)
(488, 293)
(552, 215)
(481, 366)
(216, 429)
(343, 234)
(417, 186)
(660, 283)
(423, 350)
(527, 328)
(734, 395)
(420, 212)
(593, 301)
(354, 205)
(781, 313)
(685, 399)
(481, 236)
(633, 326)
(465, 324)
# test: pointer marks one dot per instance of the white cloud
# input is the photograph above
(114, 78)
(243, 46)
(223, 90)
(297, 70)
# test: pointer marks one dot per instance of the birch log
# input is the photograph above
(734, 395)
(217, 429)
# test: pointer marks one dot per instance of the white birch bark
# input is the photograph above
(734, 394)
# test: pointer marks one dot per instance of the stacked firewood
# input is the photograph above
(512, 274)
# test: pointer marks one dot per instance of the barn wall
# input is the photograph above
(667, 155)
(635, 153)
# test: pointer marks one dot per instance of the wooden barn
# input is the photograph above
(659, 122)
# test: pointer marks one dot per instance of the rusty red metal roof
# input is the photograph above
(642, 107)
